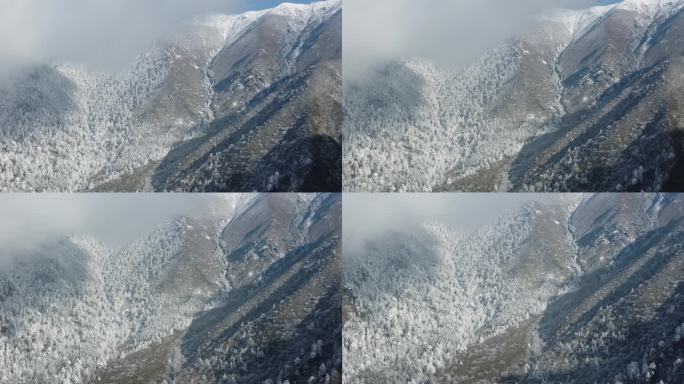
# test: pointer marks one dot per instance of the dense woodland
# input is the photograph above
(73, 307)
(416, 123)
(554, 292)
(244, 290)
(63, 128)
(567, 105)
(421, 300)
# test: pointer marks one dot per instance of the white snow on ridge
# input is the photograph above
(577, 21)
(291, 9)
(644, 4)
(650, 8)
(231, 25)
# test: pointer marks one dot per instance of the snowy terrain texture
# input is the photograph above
(584, 101)
(246, 290)
(229, 103)
(572, 290)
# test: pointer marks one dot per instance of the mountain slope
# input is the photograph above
(621, 110)
(558, 292)
(229, 103)
(579, 102)
(245, 282)
(420, 301)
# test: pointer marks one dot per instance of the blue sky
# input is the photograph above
(263, 4)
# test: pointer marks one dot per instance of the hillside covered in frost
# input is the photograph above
(245, 290)
(578, 289)
(584, 101)
(238, 103)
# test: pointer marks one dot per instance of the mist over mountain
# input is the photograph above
(104, 35)
(221, 103)
(584, 100)
(243, 289)
(450, 33)
(576, 290)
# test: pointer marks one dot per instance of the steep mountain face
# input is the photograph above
(282, 319)
(230, 103)
(245, 290)
(558, 292)
(585, 101)
(622, 322)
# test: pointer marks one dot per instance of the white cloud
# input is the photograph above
(30, 221)
(105, 34)
(449, 32)
(366, 216)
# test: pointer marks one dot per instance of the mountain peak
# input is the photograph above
(650, 7)
(232, 25)
(293, 9)
(577, 20)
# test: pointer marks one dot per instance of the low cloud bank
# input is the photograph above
(103, 34)
(448, 32)
(366, 216)
(31, 221)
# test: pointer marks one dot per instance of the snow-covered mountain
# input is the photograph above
(573, 289)
(229, 103)
(584, 100)
(244, 290)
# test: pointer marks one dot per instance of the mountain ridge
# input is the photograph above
(179, 304)
(529, 114)
(66, 128)
(580, 289)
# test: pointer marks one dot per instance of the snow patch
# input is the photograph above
(231, 26)
(577, 21)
